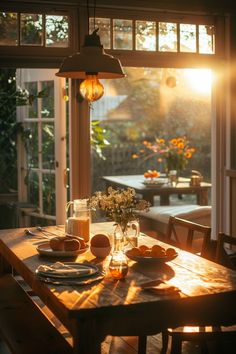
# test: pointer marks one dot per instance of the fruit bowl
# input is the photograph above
(143, 259)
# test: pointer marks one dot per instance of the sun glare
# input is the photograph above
(200, 80)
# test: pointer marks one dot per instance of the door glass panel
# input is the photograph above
(104, 25)
(206, 39)
(31, 29)
(32, 89)
(57, 28)
(48, 146)
(149, 104)
(33, 187)
(122, 34)
(167, 37)
(48, 190)
(47, 99)
(8, 28)
(31, 143)
(188, 38)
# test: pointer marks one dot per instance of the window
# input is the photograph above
(170, 36)
(30, 29)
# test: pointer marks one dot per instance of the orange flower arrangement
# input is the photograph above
(175, 152)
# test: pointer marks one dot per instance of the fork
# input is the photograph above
(46, 233)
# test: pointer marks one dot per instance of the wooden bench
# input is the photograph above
(23, 326)
(155, 222)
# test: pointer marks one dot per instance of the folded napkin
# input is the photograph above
(160, 287)
(63, 269)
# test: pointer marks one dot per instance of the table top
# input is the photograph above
(136, 182)
(203, 285)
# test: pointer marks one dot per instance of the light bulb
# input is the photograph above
(91, 88)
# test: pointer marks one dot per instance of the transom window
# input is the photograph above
(31, 29)
(125, 34)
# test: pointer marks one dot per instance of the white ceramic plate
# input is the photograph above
(141, 259)
(155, 183)
(45, 250)
(78, 270)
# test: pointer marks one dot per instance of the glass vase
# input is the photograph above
(126, 237)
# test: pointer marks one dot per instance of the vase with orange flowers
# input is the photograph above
(174, 153)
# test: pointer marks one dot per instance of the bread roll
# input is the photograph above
(71, 245)
(57, 243)
(66, 243)
(80, 239)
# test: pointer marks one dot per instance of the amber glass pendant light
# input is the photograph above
(91, 64)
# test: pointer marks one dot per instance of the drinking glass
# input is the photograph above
(173, 177)
(118, 265)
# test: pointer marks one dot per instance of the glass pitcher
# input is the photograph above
(79, 223)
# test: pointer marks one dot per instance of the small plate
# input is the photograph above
(141, 259)
(155, 183)
(45, 250)
(76, 271)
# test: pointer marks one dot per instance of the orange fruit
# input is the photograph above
(147, 253)
(143, 248)
(170, 252)
(100, 240)
(157, 248)
(134, 251)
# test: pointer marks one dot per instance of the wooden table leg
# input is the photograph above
(4, 266)
(202, 197)
(86, 339)
(164, 199)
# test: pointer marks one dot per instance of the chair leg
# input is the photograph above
(142, 344)
(176, 345)
(204, 349)
(165, 339)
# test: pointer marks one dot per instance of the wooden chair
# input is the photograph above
(202, 334)
(225, 254)
(195, 232)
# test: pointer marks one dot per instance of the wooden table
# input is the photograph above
(120, 308)
(164, 191)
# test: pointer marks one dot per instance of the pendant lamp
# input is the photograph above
(91, 64)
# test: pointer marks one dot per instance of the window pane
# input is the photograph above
(48, 138)
(31, 142)
(104, 32)
(57, 28)
(49, 196)
(48, 99)
(145, 35)
(206, 39)
(31, 29)
(187, 38)
(33, 188)
(8, 28)
(122, 34)
(167, 37)
(31, 87)
(150, 103)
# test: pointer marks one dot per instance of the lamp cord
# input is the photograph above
(94, 14)
(88, 16)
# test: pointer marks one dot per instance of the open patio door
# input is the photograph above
(42, 146)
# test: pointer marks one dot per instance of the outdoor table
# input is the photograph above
(164, 191)
(121, 308)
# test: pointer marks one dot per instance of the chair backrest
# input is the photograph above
(224, 253)
(193, 229)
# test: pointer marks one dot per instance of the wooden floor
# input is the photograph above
(127, 345)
